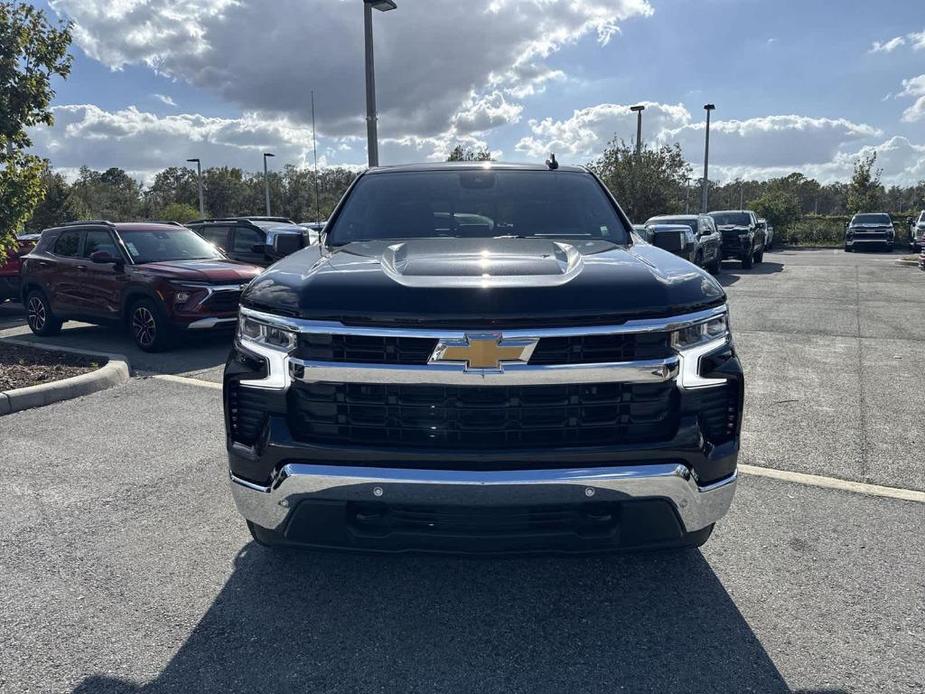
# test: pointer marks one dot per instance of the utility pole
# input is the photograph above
(315, 149)
(202, 207)
(372, 128)
(705, 193)
(266, 179)
(638, 111)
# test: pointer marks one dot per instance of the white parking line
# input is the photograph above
(784, 475)
(188, 381)
(834, 483)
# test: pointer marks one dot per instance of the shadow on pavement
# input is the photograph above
(294, 621)
(732, 271)
(193, 352)
(11, 314)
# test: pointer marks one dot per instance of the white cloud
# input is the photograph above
(914, 87)
(585, 133)
(887, 46)
(266, 57)
(917, 39)
(164, 99)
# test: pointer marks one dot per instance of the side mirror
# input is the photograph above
(668, 238)
(103, 257)
(286, 244)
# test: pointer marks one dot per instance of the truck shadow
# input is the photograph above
(732, 271)
(295, 621)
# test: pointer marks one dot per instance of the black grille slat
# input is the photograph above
(577, 349)
(223, 302)
(472, 418)
(247, 412)
(718, 409)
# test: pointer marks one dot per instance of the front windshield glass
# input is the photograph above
(153, 246)
(477, 203)
(871, 219)
(692, 223)
(922, 218)
(739, 219)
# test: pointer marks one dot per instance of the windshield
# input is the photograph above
(156, 245)
(871, 219)
(477, 203)
(692, 223)
(922, 218)
(740, 219)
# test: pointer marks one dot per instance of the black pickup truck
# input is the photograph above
(481, 358)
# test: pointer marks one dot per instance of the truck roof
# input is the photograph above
(469, 165)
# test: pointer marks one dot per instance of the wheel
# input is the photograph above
(39, 316)
(698, 259)
(716, 265)
(848, 249)
(149, 326)
(759, 256)
(748, 260)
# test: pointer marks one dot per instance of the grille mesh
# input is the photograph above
(474, 418)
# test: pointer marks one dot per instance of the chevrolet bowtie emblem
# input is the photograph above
(483, 351)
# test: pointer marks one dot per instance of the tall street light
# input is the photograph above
(372, 130)
(706, 162)
(266, 179)
(202, 207)
(638, 110)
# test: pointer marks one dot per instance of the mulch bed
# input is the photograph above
(30, 366)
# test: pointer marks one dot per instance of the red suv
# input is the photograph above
(9, 270)
(159, 279)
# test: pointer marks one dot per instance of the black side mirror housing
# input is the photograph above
(668, 238)
(103, 257)
(286, 244)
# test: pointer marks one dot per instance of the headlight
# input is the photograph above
(254, 332)
(701, 333)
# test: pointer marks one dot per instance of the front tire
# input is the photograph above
(39, 316)
(716, 265)
(698, 538)
(149, 326)
(748, 260)
(759, 256)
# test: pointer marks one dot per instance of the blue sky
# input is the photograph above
(798, 84)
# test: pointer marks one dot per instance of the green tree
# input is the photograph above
(177, 212)
(865, 192)
(32, 50)
(176, 184)
(110, 194)
(646, 184)
(460, 153)
(780, 207)
(57, 205)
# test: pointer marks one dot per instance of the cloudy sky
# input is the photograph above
(799, 84)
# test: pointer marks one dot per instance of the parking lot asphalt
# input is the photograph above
(126, 568)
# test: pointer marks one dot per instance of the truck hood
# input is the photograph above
(472, 282)
(212, 271)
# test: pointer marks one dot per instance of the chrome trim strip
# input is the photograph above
(269, 506)
(206, 323)
(648, 371)
(690, 377)
(648, 325)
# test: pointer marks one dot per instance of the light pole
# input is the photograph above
(266, 179)
(638, 110)
(202, 207)
(706, 162)
(372, 131)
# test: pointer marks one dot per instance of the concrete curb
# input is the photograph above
(115, 372)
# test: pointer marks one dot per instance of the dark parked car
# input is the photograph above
(251, 239)
(702, 245)
(9, 270)
(917, 233)
(871, 229)
(743, 237)
(157, 279)
(482, 358)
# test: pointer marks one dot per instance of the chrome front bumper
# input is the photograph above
(269, 507)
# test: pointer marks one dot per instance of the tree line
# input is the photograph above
(173, 195)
